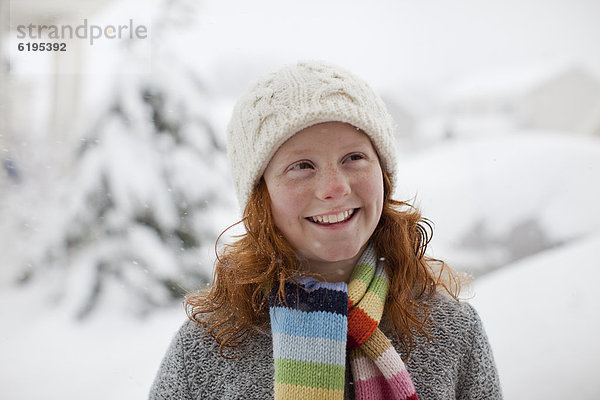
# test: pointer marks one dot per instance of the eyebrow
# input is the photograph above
(349, 146)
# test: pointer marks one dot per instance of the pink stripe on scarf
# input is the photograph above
(390, 363)
(400, 387)
(364, 368)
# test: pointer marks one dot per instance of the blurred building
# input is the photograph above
(404, 115)
(557, 98)
(40, 93)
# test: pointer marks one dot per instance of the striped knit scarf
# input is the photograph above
(320, 321)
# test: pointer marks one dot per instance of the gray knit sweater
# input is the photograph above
(457, 364)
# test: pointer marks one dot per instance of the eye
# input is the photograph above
(300, 165)
(355, 157)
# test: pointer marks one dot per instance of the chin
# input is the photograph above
(337, 254)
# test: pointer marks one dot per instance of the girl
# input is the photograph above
(329, 294)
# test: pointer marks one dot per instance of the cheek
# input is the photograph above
(286, 205)
(371, 188)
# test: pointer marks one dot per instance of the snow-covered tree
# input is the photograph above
(135, 221)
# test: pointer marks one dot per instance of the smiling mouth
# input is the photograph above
(333, 218)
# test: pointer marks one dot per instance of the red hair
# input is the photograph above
(237, 302)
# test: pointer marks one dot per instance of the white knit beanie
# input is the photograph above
(282, 103)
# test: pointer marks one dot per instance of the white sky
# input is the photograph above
(424, 42)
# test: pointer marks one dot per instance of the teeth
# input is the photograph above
(332, 218)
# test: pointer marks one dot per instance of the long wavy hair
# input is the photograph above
(236, 305)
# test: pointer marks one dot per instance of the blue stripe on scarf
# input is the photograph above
(322, 324)
(311, 349)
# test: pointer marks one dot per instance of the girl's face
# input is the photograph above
(326, 188)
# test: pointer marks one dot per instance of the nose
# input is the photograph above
(332, 185)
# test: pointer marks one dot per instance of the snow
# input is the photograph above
(543, 321)
(504, 82)
(46, 354)
(492, 185)
(487, 194)
(135, 178)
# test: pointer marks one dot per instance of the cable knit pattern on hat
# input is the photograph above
(282, 103)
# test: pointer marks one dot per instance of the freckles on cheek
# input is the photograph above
(286, 205)
(374, 187)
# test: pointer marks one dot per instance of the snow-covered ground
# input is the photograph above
(46, 354)
(542, 316)
(499, 198)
